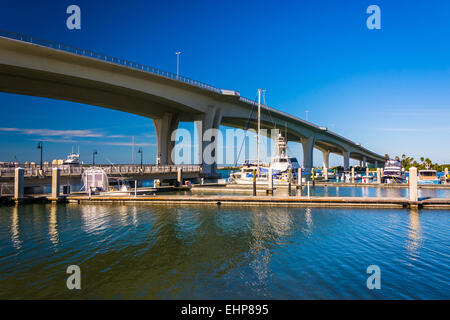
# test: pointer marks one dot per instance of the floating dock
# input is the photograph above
(362, 202)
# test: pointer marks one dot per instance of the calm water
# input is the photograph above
(160, 252)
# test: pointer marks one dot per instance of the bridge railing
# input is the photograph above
(107, 58)
(66, 170)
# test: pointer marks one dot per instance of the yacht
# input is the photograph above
(428, 177)
(393, 172)
(280, 164)
(73, 158)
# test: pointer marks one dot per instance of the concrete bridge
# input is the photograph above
(37, 67)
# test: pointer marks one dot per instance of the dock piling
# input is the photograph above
(299, 178)
(378, 175)
(270, 179)
(254, 182)
(308, 190)
(55, 183)
(413, 185)
(18, 183)
(180, 176)
(446, 179)
(353, 175)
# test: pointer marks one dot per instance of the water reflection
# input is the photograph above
(309, 222)
(53, 225)
(260, 253)
(17, 243)
(394, 192)
(414, 234)
(221, 252)
(95, 218)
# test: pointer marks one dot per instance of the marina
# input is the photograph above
(305, 165)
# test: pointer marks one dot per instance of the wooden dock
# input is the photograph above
(361, 202)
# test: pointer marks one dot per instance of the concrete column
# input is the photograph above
(346, 155)
(164, 127)
(364, 162)
(378, 175)
(207, 140)
(18, 183)
(299, 177)
(55, 182)
(413, 184)
(325, 173)
(353, 175)
(308, 148)
(376, 164)
(367, 171)
(180, 176)
(326, 158)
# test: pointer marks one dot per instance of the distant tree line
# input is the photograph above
(425, 163)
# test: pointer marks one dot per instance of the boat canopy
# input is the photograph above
(95, 179)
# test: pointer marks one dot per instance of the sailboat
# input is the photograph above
(280, 164)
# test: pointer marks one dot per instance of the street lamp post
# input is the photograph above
(141, 152)
(94, 153)
(40, 146)
(307, 114)
(178, 63)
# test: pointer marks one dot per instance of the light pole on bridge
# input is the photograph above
(94, 153)
(40, 146)
(141, 152)
(178, 63)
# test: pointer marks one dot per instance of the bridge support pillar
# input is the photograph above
(364, 162)
(346, 155)
(308, 148)
(376, 164)
(326, 158)
(208, 130)
(164, 127)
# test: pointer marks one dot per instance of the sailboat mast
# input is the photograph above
(259, 125)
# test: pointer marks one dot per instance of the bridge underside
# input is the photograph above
(30, 69)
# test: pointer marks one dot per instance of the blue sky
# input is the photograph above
(387, 89)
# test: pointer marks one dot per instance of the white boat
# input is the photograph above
(73, 158)
(428, 177)
(392, 172)
(123, 189)
(280, 165)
